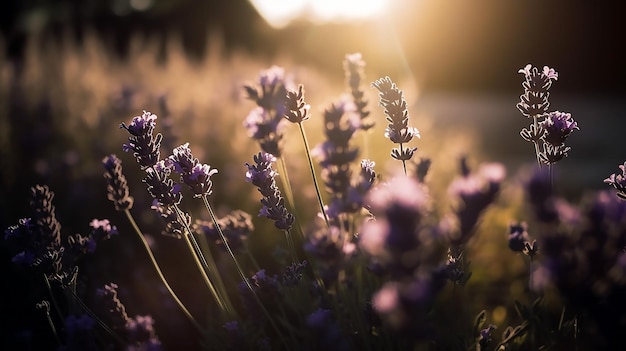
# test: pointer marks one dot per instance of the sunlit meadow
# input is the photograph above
(234, 203)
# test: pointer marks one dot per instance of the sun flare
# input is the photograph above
(278, 13)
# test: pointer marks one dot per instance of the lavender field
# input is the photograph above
(159, 201)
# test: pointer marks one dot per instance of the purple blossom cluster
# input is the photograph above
(336, 156)
(117, 186)
(618, 181)
(353, 66)
(37, 242)
(401, 245)
(142, 142)
(397, 114)
(138, 332)
(236, 226)
(549, 130)
(195, 175)
(262, 175)
(265, 123)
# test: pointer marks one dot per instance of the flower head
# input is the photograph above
(618, 181)
(195, 175)
(144, 145)
(558, 126)
(262, 176)
(117, 186)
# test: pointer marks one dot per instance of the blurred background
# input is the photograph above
(72, 70)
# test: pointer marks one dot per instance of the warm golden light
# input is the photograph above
(278, 13)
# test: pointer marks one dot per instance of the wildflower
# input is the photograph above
(534, 101)
(144, 145)
(141, 334)
(395, 239)
(618, 181)
(117, 186)
(293, 273)
(102, 229)
(265, 122)
(44, 216)
(160, 186)
(296, 110)
(263, 176)
(484, 337)
(475, 192)
(236, 227)
(396, 112)
(111, 305)
(353, 65)
(265, 287)
(195, 175)
(327, 245)
(336, 155)
(176, 222)
(558, 126)
(518, 236)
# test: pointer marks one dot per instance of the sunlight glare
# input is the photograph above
(278, 13)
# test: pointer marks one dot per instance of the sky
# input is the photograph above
(450, 45)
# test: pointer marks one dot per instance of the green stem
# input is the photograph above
(317, 188)
(240, 270)
(160, 273)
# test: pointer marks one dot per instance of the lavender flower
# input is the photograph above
(236, 227)
(113, 308)
(139, 331)
(265, 287)
(175, 226)
(336, 156)
(195, 175)
(117, 186)
(353, 65)
(475, 192)
(296, 109)
(396, 112)
(79, 330)
(618, 181)
(534, 101)
(558, 126)
(160, 186)
(144, 145)
(265, 123)
(263, 176)
(44, 216)
(398, 230)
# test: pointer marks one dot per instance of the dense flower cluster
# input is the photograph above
(618, 181)
(117, 186)
(265, 123)
(236, 226)
(549, 130)
(192, 173)
(143, 144)
(353, 66)
(263, 176)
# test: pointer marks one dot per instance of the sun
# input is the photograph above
(278, 13)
